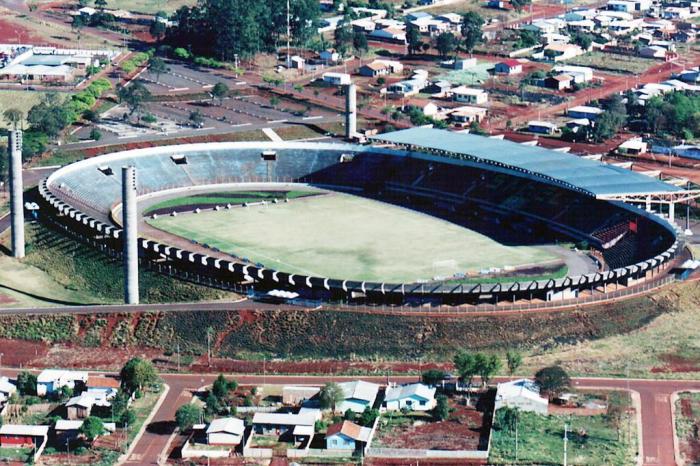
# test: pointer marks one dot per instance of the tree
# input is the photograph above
(219, 91)
(274, 101)
(514, 360)
(157, 66)
(95, 134)
(14, 116)
(26, 383)
(359, 42)
(133, 96)
(92, 428)
(157, 29)
(582, 39)
(197, 119)
(101, 5)
(487, 365)
(413, 39)
(349, 415)
(466, 366)
(49, 116)
(330, 395)
(446, 44)
(519, 4)
(136, 374)
(212, 404)
(222, 387)
(552, 379)
(368, 416)
(442, 408)
(471, 30)
(66, 392)
(187, 416)
(433, 376)
(616, 407)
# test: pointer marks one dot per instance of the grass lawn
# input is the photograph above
(473, 76)
(687, 417)
(15, 454)
(344, 236)
(613, 63)
(223, 198)
(592, 441)
(21, 100)
(648, 351)
(142, 407)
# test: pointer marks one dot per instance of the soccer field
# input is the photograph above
(344, 236)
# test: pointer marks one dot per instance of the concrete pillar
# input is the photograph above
(16, 193)
(648, 204)
(350, 111)
(671, 212)
(130, 236)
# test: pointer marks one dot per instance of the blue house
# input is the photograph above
(357, 396)
(347, 435)
(414, 397)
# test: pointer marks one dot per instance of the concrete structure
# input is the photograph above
(350, 111)
(523, 394)
(337, 79)
(414, 397)
(16, 193)
(130, 233)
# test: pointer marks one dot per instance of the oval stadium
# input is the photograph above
(420, 216)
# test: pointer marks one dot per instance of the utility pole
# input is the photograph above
(178, 356)
(289, 34)
(517, 416)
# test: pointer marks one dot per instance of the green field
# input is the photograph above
(21, 100)
(344, 236)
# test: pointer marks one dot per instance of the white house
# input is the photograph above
(52, 380)
(542, 127)
(389, 34)
(466, 115)
(357, 395)
(621, 5)
(225, 431)
(584, 111)
(415, 397)
(558, 51)
(337, 79)
(469, 95)
(329, 56)
(522, 394)
(7, 388)
(653, 51)
(581, 74)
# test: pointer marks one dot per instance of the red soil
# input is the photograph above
(312, 367)
(12, 33)
(21, 353)
(676, 363)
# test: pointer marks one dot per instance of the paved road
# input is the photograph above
(657, 430)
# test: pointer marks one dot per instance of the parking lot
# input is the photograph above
(186, 78)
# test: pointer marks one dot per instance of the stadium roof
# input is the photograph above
(592, 177)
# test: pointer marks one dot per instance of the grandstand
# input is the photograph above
(517, 194)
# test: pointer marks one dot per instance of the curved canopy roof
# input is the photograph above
(595, 178)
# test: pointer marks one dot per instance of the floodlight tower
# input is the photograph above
(16, 193)
(350, 111)
(130, 236)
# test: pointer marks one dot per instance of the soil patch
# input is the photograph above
(22, 353)
(675, 363)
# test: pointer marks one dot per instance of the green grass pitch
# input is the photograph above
(344, 236)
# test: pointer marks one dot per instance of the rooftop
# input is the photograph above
(360, 390)
(404, 391)
(589, 176)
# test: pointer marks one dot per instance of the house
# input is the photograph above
(296, 62)
(374, 69)
(292, 395)
(337, 79)
(106, 387)
(357, 396)
(389, 34)
(621, 5)
(470, 96)
(653, 51)
(329, 24)
(559, 82)
(439, 88)
(673, 12)
(414, 397)
(466, 115)
(299, 426)
(522, 394)
(225, 431)
(464, 63)
(424, 22)
(542, 127)
(508, 67)
(23, 436)
(52, 380)
(347, 435)
(80, 407)
(558, 51)
(634, 146)
(418, 15)
(583, 111)
(329, 56)
(581, 74)
(364, 25)
(68, 430)
(7, 388)
(406, 88)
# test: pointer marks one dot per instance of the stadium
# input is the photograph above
(421, 216)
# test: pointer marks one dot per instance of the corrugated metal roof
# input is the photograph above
(595, 178)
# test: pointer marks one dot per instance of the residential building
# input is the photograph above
(466, 115)
(299, 425)
(68, 430)
(653, 51)
(80, 407)
(357, 395)
(584, 111)
(522, 394)
(542, 127)
(581, 74)
(406, 88)
(559, 82)
(469, 95)
(439, 88)
(464, 63)
(225, 431)
(7, 388)
(508, 67)
(374, 69)
(414, 397)
(337, 79)
(329, 56)
(23, 436)
(389, 34)
(621, 5)
(292, 395)
(106, 387)
(347, 435)
(558, 51)
(52, 380)
(634, 146)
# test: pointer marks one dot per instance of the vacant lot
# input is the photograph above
(614, 63)
(343, 236)
(21, 100)
(592, 441)
(688, 425)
